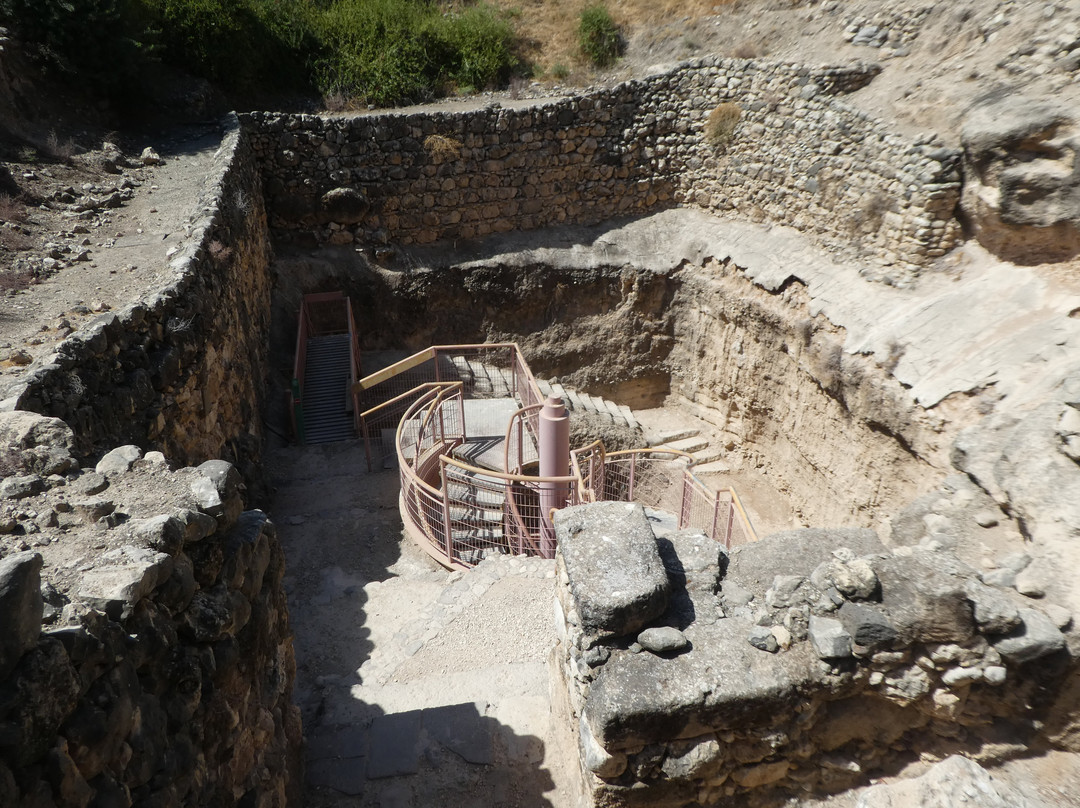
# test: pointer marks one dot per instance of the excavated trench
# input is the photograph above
(837, 437)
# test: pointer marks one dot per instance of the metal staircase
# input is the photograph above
(326, 390)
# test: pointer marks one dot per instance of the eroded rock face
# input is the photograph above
(1022, 179)
(788, 683)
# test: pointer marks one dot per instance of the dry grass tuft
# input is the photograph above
(11, 209)
(721, 123)
(552, 28)
(442, 148)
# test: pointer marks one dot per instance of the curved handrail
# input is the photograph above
(520, 414)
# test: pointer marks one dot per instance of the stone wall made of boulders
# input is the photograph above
(799, 664)
(146, 657)
(797, 156)
(181, 370)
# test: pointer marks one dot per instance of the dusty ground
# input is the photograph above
(394, 653)
(68, 256)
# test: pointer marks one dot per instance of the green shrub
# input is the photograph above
(103, 44)
(721, 123)
(599, 37)
(383, 51)
(479, 45)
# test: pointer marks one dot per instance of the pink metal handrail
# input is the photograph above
(526, 417)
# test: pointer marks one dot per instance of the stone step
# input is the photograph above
(718, 465)
(689, 444)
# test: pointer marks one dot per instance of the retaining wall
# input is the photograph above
(183, 369)
(146, 657)
(798, 156)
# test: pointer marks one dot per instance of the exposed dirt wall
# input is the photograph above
(836, 430)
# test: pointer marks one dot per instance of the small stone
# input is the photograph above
(1061, 617)
(995, 675)
(21, 487)
(783, 636)
(986, 518)
(662, 640)
(762, 638)
(20, 357)
(596, 656)
(90, 510)
(828, 638)
(1030, 582)
(119, 460)
(149, 157)
(1036, 637)
(89, 483)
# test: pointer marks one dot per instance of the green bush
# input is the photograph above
(599, 37)
(383, 51)
(390, 51)
(104, 44)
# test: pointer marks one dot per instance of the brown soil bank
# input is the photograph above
(834, 430)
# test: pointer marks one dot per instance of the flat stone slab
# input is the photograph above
(725, 681)
(463, 729)
(617, 577)
(346, 776)
(395, 745)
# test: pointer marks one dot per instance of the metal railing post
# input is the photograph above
(448, 540)
(715, 516)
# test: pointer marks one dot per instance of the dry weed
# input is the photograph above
(442, 148)
(11, 209)
(552, 28)
(721, 123)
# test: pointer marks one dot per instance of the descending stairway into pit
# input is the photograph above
(326, 386)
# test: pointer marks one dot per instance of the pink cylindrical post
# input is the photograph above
(554, 428)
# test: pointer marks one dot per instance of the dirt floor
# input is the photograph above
(419, 687)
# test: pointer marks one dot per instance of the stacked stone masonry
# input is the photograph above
(182, 369)
(798, 156)
(799, 664)
(146, 657)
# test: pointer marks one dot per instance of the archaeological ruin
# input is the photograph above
(790, 274)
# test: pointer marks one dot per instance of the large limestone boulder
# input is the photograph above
(35, 443)
(1022, 179)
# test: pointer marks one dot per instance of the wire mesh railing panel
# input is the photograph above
(485, 371)
(651, 478)
(589, 466)
(520, 448)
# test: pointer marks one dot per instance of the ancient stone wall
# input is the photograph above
(146, 657)
(182, 370)
(796, 156)
(802, 663)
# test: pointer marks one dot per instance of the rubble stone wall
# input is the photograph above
(797, 156)
(146, 657)
(798, 664)
(183, 369)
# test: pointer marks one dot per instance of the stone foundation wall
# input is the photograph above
(183, 369)
(146, 657)
(797, 157)
(799, 664)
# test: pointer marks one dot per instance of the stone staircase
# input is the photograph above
(666, 428)
(326, 381)
(618, 414)
(476, 514)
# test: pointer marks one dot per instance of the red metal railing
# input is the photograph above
(522, 439)
(321, 314)
(458, 512)
(664, 480)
